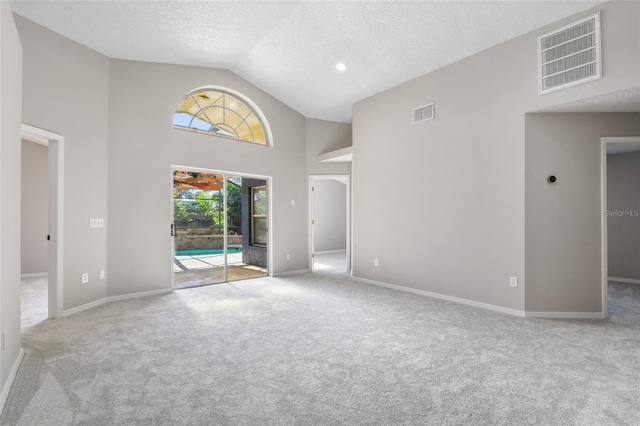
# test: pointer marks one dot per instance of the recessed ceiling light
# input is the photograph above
(341, 67)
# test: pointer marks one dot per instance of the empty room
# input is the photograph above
(319, 212)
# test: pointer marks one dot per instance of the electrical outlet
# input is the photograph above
(288, 256)
(85, 278)
(293, 202)
(513, 281)
(376, 262)
(102, 274)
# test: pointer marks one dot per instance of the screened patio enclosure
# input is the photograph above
(220, 230)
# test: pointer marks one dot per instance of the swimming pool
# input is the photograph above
(201, 252)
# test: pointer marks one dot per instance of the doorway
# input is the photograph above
(54, 144)
(220, 227)
(620, 230)
(34, 227)
(330, 219)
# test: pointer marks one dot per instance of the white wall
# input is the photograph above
(623, 203)
(143, 145)
(322, 137)
(563, 236)
(452, 189)
(10, 129)
(34, 208)
(329, 215)
(66, 91)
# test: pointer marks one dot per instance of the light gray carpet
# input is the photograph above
(331, 263)
(322, 350)
(33, 295)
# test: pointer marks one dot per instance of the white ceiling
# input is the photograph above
(290, 48)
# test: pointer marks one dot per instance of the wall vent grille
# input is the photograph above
(570, 55)
(423, 113)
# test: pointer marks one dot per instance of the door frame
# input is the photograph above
(349, 249)
(269, 181)
(55, 249)
(603, 213)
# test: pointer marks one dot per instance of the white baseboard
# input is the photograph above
(84, 307)
(565, 315)
(331, 251)
(104, 300)
(494, 308)
(35, 275)
(624, 280)
(461, 301)
(285, 273)
(137, 295)
(12, 376)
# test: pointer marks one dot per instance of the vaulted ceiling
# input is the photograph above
(290, 48)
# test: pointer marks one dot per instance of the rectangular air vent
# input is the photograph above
(569, 55)
(423, 113)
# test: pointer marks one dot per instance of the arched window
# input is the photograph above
(220, 112)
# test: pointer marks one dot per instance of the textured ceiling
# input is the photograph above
(290, 49)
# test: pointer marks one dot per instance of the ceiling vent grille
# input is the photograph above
(423, 113)
(569, 55)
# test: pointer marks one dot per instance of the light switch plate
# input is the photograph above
(96, 222)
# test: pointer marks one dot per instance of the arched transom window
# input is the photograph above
(220, 113)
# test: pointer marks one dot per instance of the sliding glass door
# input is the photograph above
(220, 228)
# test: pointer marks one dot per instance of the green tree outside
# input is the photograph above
(202, 208)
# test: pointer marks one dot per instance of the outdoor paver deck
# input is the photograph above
(205, 269)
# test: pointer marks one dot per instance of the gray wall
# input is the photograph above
(34, 208)
(457, 182)
(322, 137)
(623, 223)
(143, 145)
(66, 91)
(10, 130)
(109, 137)
(470, 160)
(563, 236)
(329, 215)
